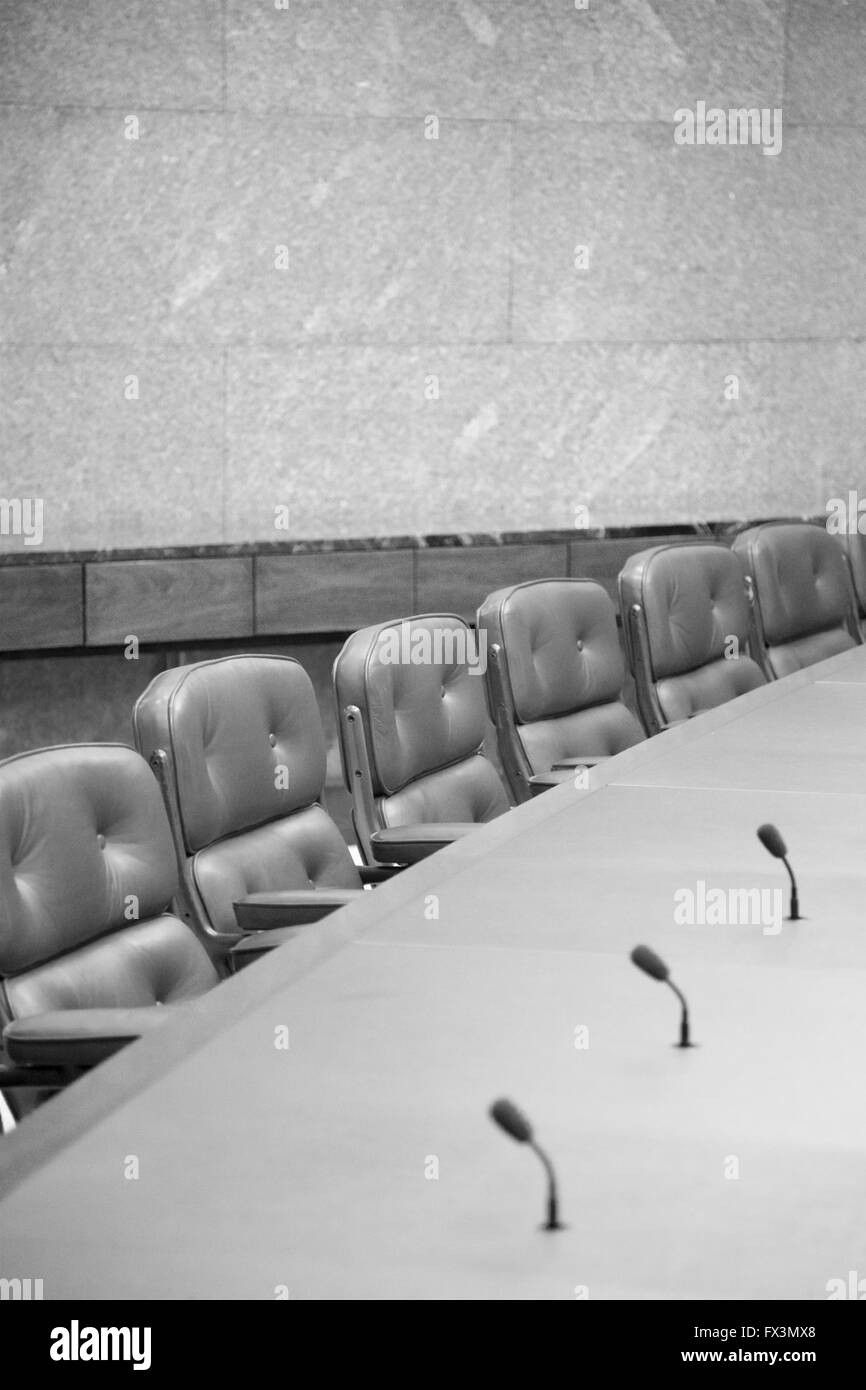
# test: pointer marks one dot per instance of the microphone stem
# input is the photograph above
(684, 1021)
(552, 1210)
(795, 905)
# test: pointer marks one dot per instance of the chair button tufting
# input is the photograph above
(580, 644)
(272, 740)
(100, 840)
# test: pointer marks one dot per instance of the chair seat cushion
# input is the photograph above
(685, 695)
(155, 962)
(602, 731)
(469, 791)
(299, 852)
(817, 646)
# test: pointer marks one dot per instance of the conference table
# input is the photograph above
(317, 1127)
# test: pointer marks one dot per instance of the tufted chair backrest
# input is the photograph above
(554, 676)
(805, 606)
(87, 873)
(418, 687)
(238, 745)
(687, 622)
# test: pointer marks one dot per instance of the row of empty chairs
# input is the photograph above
(122, 891)
(702, 623)
(124, 895)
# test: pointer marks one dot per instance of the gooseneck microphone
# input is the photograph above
(653, 965)
(506, 1114)
(772, 841)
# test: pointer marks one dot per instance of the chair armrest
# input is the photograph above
(291, 907)
(592, 760)
(379, 873)
(76, 1038)
(258, 943)
(38, 1078)
(543, 781)
(408, 844)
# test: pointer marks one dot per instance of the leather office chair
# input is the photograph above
(854, 548)
(88, 946)
(411, 736)
(237, 747)
(804, 604)
(687, 623)
(554, 680)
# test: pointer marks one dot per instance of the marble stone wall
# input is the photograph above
(321, 255)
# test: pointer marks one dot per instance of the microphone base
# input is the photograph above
(553, 1226)
(799, 918)
(682, 1044)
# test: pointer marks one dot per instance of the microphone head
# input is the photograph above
(508, 1117)
(772, 841)
(651, 964)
